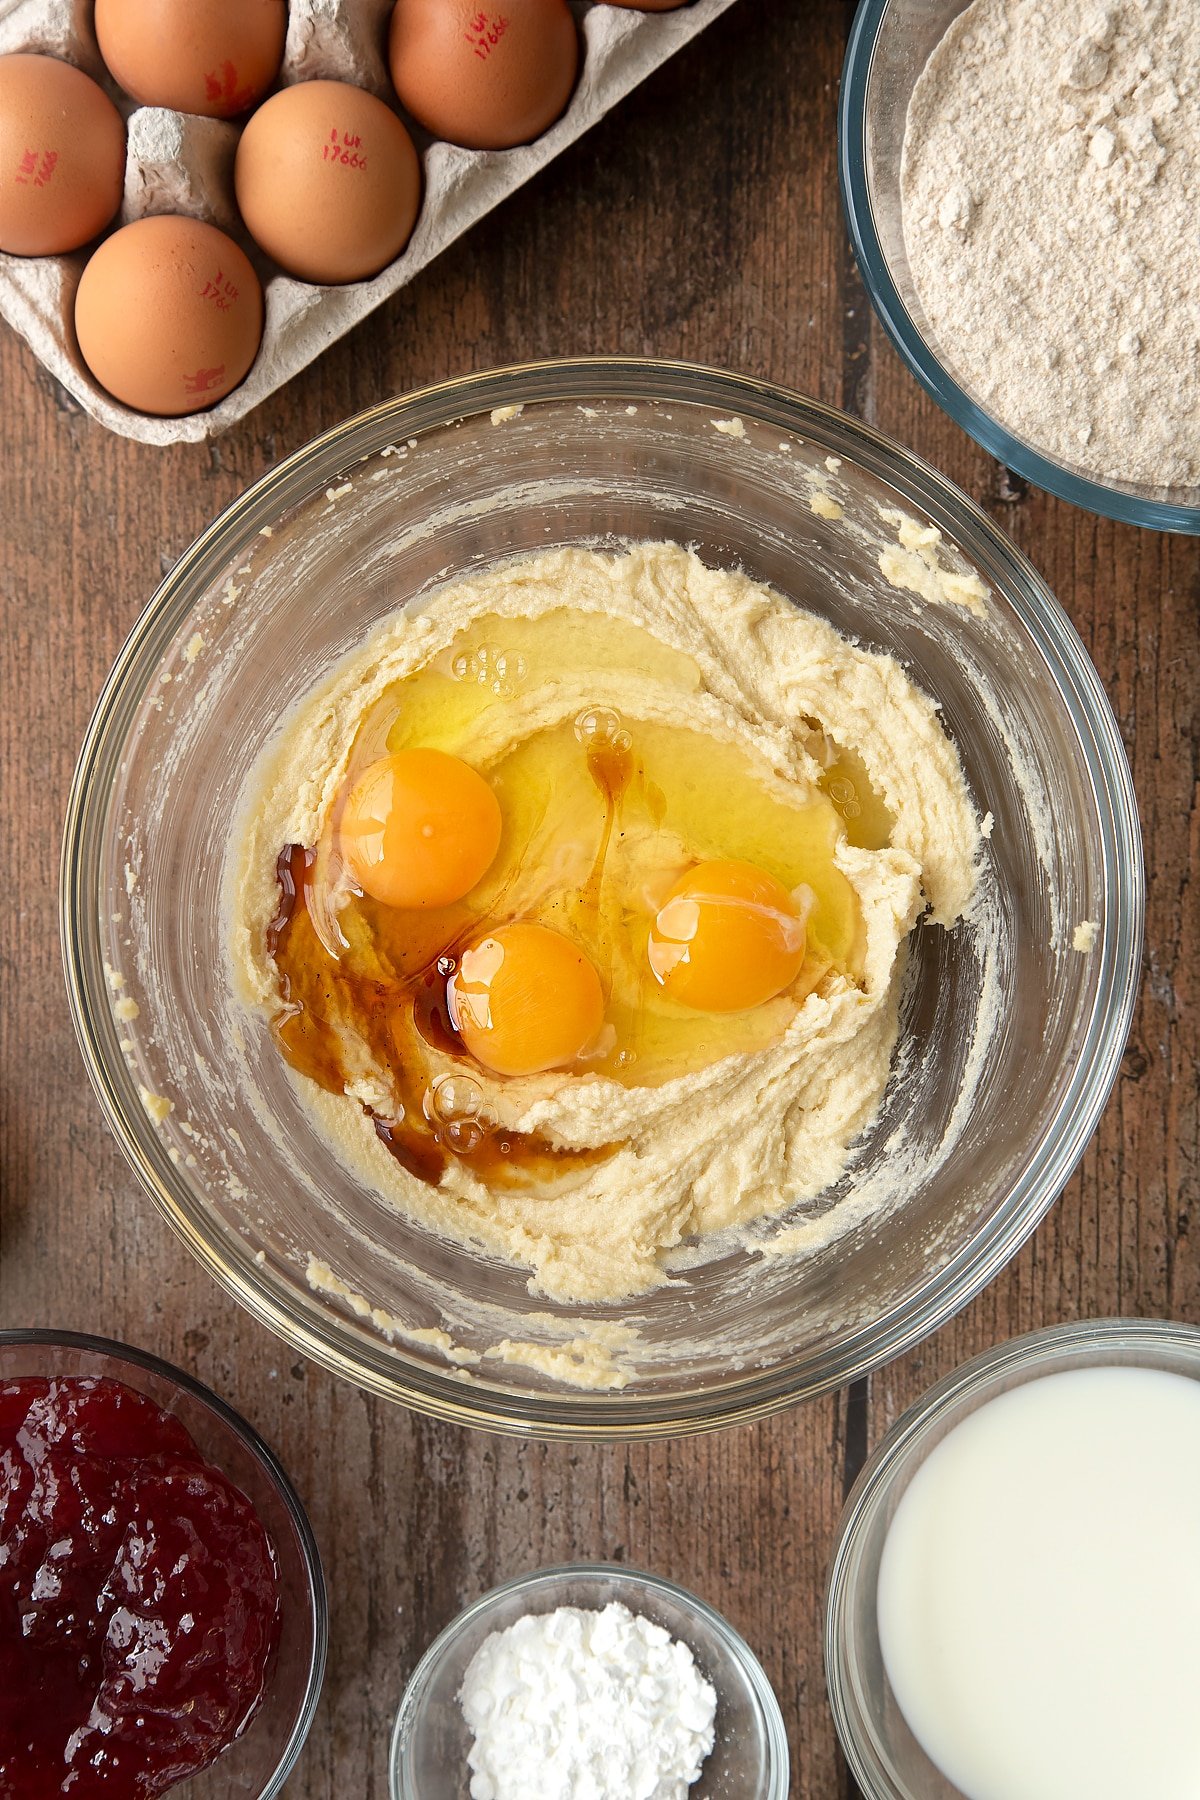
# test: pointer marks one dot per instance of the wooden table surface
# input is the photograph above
(700, 220)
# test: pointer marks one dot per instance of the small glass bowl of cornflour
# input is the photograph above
(1013, 1594)
(432, 1742)
(1017, 187)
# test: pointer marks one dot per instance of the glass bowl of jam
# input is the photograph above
(163, 1619)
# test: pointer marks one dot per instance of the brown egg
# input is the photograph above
(328, 181)
(487, 76)
(169, 315)
(62, 156)
(215, 57)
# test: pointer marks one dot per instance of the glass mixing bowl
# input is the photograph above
(890, 43)
(885, 1758)
(1010, 1038)
(748, 1761)
(257, 1765)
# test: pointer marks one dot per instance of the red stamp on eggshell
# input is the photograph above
(204, 380)
(34, 169)
(484, 32)
(220, 291)
(344, 148)
(221, 89)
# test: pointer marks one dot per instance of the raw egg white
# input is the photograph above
(62, 156)
(486, 77)
(215, 57)
(169, 315)
(328, 181)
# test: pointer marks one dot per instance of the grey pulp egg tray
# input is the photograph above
(180, 163)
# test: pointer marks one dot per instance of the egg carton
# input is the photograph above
(177, 162)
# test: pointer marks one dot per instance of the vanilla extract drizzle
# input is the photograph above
(324, 998)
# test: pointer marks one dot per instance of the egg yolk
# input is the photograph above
(728, 937)
(525, 998)
(419, 828)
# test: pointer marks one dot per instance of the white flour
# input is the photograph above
(576, 1705)
(1051, 192)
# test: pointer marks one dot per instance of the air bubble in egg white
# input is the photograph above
(454, 1098)
(463, 1135)
(599, 725)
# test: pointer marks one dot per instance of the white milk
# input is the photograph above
(1039, 1592)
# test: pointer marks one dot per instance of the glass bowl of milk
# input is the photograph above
(1013, 1609)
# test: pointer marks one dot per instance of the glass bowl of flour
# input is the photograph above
(1019, 189)
(590, 1678)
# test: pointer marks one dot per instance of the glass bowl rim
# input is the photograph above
(1085, 1339)
(756, 1676)
(918, 354)
(571, 1415)
(128, 1354)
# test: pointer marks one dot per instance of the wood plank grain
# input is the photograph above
(699, 220)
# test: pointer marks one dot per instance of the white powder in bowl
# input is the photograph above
(1051, 188)
(578, 1705)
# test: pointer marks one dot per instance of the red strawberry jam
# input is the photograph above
(139, 1598)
